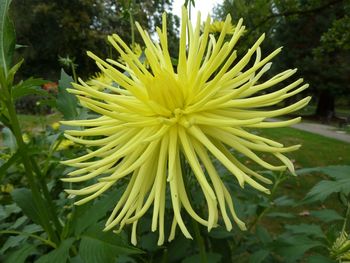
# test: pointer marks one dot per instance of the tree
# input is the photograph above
(315, 35)
(53, 28)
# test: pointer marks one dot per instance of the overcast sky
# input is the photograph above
(204, 6)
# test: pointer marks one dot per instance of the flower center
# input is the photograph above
(166, 91)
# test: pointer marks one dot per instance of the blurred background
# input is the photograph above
(315, 35)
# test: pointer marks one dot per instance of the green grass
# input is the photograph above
(316, 150)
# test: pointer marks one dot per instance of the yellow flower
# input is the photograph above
(63, 145)
(25, 138)
(217, 27)
(6, 188)
(100, 81)
(200, 110)
(55, 126)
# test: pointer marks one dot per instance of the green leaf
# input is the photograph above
(24, 199)
(97, 211)
(7, 37)
(284, 201)
(325, 188)
(28, 87)
(13, 241)
(9, 139)
(21, 254)
(319, 259)
(280, 214)
(211, 258)
(337, 172)
(58, 255)
(327, 215)
(99, 246)
(258, 256)
(306, 229)
(13, 159)
(66, 103)
(263, 235)
(294, 247)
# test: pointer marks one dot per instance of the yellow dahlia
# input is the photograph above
(217, 26)
(200, 109)
(99, 81)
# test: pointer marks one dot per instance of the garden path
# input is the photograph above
(324, 130)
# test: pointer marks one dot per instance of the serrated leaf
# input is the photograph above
(21, 254)
(294, 247)
(97, 211)
(258, 256)
(7, 36)
(66, 102)
(58, 255)
(306, 229)
(29, 86)
(337, 172)
(325, 188)
(9, 140)
(327, 215)
(99, 246)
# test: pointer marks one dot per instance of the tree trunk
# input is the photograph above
(325, 106)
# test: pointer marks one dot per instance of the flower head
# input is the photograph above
(217, 26)
(99, 81)
(200, 110)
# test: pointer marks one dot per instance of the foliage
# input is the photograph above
(62, 26)
(316, 35)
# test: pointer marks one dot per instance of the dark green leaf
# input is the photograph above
(97, 211)
(326, 215)
(337, 172)
(13, 241)
(220, 233)
(258, 256)
(325, 188)
(306, 229)
(7, 36)
(211, 258)
(24, 199)
(263, 235)
(99, 246)
(178, 248)
(66, 102)
(294, 247)
(21, 253)
(9, 139)
(58, 255)
(28, 87)
(284, 201)
(319, 259)
(280, 214)
(13, 159)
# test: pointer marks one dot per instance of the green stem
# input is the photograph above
(29, 170)
(132, 23)
(51, 205)
(45, 241)
(73, 72)
(347, 214)
(278, 181)
(200, 242)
